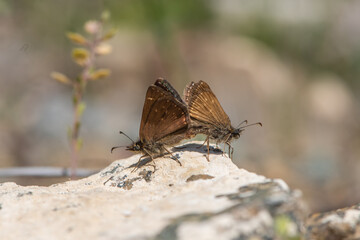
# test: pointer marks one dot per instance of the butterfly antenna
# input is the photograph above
(258, 123)
(112, 149)
(126, 136)
(245, 121)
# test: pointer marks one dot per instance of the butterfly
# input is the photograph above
(209, 118)
(164, 122)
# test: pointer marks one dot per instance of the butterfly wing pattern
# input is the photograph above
(167, 118)
(164, 84)
(163, 117)
(207, 116)
(164, 122)
(204, 107)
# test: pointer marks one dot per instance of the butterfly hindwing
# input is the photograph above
(204, 106)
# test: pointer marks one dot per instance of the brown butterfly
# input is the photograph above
(208, 117)
(164, 122)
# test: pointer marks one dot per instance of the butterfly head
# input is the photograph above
(236, 132)
(135, 146)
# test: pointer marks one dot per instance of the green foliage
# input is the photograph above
(285, 228)
(161, 14)
(306, 44)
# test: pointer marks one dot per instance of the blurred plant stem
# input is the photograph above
(92, 47)
(79, 87)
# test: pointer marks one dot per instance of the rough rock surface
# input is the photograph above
(339, 224)
(200, 200)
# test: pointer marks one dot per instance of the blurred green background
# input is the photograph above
(293, 65)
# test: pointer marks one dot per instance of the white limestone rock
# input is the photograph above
(198, 200)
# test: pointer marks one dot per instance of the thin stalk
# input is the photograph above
(79, 89)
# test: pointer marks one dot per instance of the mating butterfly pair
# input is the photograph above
(167, 119)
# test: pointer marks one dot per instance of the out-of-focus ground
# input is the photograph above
(293, 65)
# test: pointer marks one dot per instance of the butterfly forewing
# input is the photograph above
(152, 95)
(162, 115)
(164, 84)
(204, 106)
(166, 118)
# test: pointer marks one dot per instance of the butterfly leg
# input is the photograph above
(203, 143)
(226, 142)
(223, 150)
(138, 163)
(136, 167)
(231, 151)
(172, 156)
(207, 140)
(152, 165)
(208, 148)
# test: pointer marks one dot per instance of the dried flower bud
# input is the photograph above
(100, 73)
(109, 34)
(80, 56)
(60, 78)
(76, 38)
(92, 26)
(103, 49)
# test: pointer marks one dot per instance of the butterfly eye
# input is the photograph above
(236, 135)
